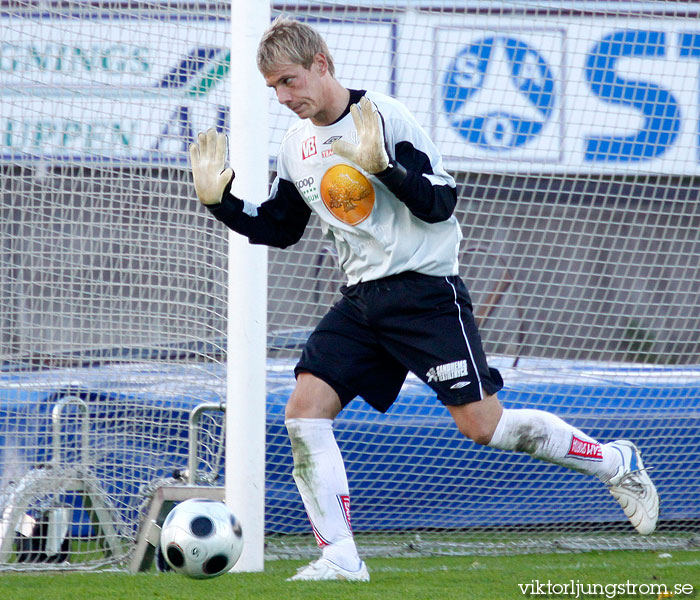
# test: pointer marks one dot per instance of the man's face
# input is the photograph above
(297, 88)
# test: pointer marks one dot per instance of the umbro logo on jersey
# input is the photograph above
(333, 138)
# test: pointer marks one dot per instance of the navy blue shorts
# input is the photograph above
(380, 330)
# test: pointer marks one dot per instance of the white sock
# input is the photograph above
(549, 438)
(319, 473)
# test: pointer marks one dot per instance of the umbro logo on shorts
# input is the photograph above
(459, 385)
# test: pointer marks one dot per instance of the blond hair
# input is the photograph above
(288, 40)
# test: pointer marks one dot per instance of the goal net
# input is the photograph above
(572, 130)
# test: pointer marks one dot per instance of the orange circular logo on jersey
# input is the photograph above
(347, 193)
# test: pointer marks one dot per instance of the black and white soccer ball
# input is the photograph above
(201, 538)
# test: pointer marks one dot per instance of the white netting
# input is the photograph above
(572, 130)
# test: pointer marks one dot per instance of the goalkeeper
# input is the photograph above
(361, 162)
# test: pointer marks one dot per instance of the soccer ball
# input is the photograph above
(201, 538)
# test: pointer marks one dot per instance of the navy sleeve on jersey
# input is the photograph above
(429, 202)
(280, 221)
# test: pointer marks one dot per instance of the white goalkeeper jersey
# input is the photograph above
(377, 231)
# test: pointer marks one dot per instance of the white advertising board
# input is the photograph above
(105, 89)
(572, 94)
(138, 91)
(497, 93)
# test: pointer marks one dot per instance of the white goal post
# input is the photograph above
(247, 317)
(572, 130)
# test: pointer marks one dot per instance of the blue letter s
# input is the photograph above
(662, 115)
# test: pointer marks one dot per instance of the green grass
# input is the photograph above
(434, 578)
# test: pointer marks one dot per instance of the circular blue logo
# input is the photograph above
(524, 105)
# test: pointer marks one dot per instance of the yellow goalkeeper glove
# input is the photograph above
(208, 159)
(370, 153)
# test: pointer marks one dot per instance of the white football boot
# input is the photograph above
(325, 570)
(633, 489)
